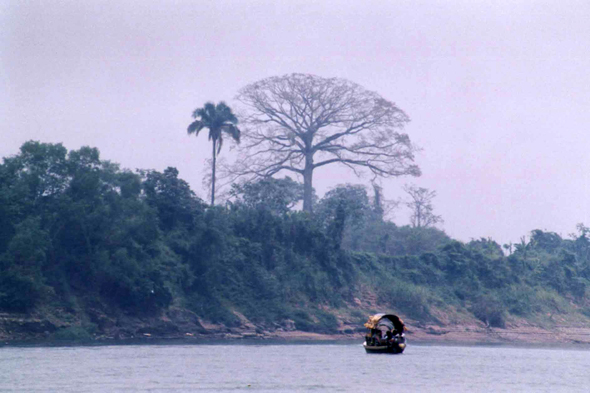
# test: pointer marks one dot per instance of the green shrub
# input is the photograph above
(214, 311)
(76, 333)
(327, 323)
(18, 293)
(409, 299)
(519, 299)
(358, 318)
(548, 300)
(302, 321)
(490, 310)
(317, 321)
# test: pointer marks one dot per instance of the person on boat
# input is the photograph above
(380, 337)
(399, 331)
(388, 335)
(369, 336)
(375, 336)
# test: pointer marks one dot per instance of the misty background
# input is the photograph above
(498, 92)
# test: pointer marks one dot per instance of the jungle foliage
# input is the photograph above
(78, 232)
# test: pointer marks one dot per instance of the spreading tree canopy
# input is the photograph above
(302, 122)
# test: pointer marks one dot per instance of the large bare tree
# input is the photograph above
(301, 122)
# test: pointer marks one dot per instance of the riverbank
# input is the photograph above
(466, 335)
(179, 325)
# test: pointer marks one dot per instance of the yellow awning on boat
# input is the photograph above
(373, 321)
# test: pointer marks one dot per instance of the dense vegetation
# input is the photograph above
(78, 232)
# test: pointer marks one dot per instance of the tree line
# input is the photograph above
(79, 233)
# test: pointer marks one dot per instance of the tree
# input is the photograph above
(378, 200)
(302, 122)
(21, 279)
(175, 202)
(276, 195)
(40, 168)
(421, 205)
(218, 119)
(344, 211)
(353, 197)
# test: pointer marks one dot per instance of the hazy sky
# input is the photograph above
(498, 91)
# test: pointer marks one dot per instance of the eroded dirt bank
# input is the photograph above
(181, 324)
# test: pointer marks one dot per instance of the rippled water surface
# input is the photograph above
(268, 367)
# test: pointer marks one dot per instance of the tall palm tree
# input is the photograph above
(218, 119)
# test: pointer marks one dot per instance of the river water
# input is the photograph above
(338, 367)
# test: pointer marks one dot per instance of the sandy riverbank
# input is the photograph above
(456, 335)
(182, 325)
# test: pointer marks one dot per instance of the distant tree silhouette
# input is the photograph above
(302, 122)
(218, 119)
(421, 204)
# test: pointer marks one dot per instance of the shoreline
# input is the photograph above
(183, 326)
(561, 337)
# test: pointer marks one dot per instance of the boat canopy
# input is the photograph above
(388, 321)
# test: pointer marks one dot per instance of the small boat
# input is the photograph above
(385, 335)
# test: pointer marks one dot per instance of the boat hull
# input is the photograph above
(392, 348)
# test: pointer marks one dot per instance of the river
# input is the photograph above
(263, 367)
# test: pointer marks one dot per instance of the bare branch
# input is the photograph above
(421, 205)
(293, 120)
